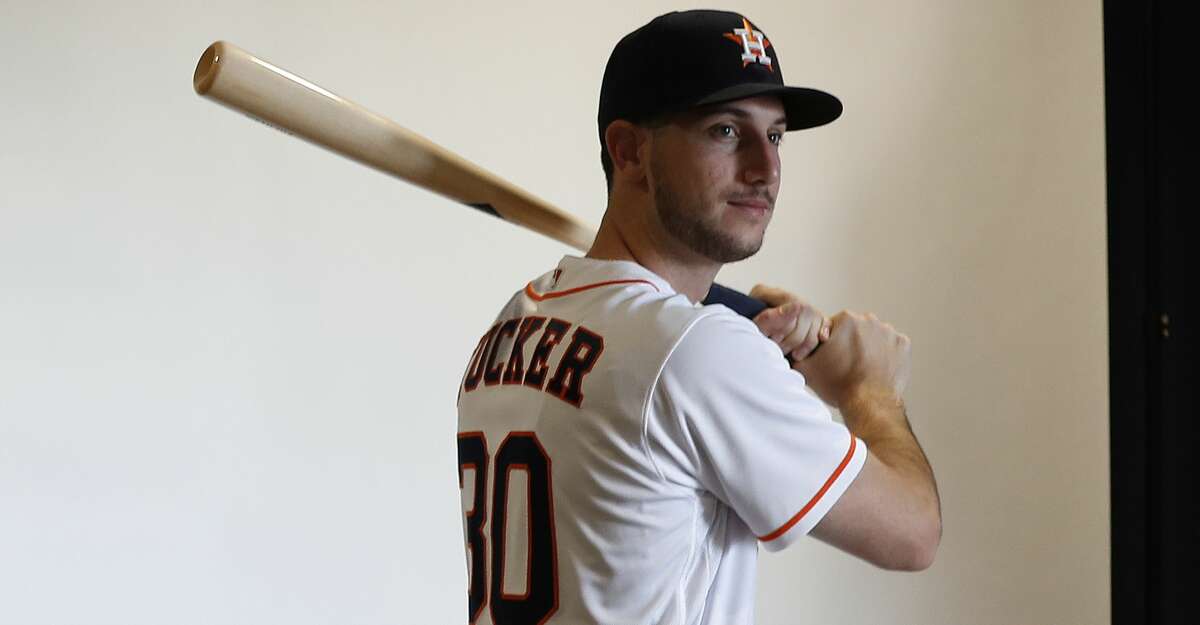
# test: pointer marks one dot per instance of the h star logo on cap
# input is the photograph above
(754, 44)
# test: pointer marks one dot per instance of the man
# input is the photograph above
(623, 449)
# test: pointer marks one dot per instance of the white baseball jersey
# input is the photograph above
(622, 453)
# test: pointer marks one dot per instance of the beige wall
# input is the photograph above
(228, 359)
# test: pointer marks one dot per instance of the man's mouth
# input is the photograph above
(753, 203)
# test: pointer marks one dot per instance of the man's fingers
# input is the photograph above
(810, 331)
(798, 329)
(776, 323)
(808, 344)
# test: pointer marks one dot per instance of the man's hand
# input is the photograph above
(797, 327)
(864, 360)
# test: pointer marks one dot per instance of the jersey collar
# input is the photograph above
(576, 272)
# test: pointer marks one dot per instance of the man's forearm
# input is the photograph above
(881, 422)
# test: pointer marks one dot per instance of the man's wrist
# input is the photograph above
(870, 413)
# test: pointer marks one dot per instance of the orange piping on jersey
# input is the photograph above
(537, 297)
(821, 493)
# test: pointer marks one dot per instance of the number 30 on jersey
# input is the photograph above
(520, 460)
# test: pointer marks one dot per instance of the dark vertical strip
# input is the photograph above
(1127, 89)
(1175, 532)
(1154, 258)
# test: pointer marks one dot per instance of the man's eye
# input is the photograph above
(776, 137)
(724, 130)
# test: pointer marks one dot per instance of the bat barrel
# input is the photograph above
(278, 98)
(287, 102)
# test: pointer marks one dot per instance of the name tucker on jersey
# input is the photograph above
(499, 359)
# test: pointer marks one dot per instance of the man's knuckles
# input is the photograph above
(806, 346)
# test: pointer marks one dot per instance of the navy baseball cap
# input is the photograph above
(686, 59)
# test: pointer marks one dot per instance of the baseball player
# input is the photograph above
(624, 449)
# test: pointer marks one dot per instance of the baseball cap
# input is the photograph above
(686, 59)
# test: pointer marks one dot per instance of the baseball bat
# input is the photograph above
(287, 102)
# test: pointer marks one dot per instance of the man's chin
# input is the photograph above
(741, 255)
(729, 250)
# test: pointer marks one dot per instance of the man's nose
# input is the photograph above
(761, 162)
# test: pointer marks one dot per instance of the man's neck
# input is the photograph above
(686, 272)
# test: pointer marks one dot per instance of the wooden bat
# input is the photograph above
(283, 100)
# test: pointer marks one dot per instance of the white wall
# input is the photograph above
(228, 359)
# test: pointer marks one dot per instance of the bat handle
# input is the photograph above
(736, 301)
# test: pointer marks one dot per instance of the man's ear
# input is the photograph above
(624, 142)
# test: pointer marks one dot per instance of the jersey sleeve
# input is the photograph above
(729, 416)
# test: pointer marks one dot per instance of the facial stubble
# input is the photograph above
(689, 225)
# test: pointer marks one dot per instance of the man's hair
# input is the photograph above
(653, 123)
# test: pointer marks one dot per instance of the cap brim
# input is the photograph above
(805, 108)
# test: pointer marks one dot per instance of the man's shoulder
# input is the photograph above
(629, 306)
(717, 334)
(657, 329)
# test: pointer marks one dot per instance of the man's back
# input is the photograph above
(592, 492)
